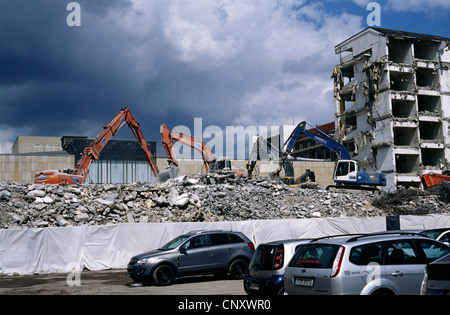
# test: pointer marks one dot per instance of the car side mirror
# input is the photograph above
(183, 249)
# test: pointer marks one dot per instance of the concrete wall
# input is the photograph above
(21, 168)
(30, 144)
(322, 170)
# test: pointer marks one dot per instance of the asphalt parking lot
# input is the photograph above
(114, 281)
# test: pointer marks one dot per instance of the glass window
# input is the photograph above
(264, 257)
(175, 242)
(196, 242)
(315, 256)
(365, 254)
(218, 239)
(433, 250)
(400, 253)
(342, 169)
(235, 238)
(445, 238)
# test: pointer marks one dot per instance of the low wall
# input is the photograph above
(322, 170)
(48, 250)
(21, 168)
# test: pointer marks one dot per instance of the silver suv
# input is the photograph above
(362, 264)
(197, 252)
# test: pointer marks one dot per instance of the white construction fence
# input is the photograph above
(58, 250)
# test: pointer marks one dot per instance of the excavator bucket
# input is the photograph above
(166, 174)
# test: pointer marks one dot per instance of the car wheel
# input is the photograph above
(164, 275)
(238, 268)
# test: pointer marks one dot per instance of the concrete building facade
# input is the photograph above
(392, 96)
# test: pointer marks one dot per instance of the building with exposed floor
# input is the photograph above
(392, 96)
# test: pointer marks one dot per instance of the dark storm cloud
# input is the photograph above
(169, 61)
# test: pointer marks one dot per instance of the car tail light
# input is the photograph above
(278, 261)
(337, 262)
(250, 244)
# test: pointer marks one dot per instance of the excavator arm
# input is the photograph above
(322, 138)
(92, 153)
(169, 136)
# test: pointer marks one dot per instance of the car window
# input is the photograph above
(196, 242)
(445, 237)
(433, 250)
(432, 233)
(175, 242)
(365, 254)
(263, 257)
(218, 239)
(400, 252)
(315, 256)
(235, 238)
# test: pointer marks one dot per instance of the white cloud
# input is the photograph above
(6, 136)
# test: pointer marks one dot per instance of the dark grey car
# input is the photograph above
(198, 252)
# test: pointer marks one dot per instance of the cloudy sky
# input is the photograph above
(229, 62)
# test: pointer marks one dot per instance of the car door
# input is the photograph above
(194, 256)
(220, 251)
(404, 268)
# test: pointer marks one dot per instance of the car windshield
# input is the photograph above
(315, 256)
(175, 242)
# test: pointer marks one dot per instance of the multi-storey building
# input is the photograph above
(392, 93)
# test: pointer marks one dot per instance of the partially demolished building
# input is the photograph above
(392, 95)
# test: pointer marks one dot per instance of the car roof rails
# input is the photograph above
(385, 233)
(333, 236)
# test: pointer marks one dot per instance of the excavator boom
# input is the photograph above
(211, 162)
(168, 137)
(92, 153)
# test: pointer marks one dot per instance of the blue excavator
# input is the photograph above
(346, 173)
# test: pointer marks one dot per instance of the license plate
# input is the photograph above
(304, 282)
(253, 286)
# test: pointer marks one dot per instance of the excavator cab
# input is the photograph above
(344, 168)
(220, 163)
(346, 173)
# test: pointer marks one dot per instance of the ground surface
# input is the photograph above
(114, 281)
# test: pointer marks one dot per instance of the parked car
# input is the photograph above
(198, 252)
(437, 277)
(441, 235)
(362, 264)
(266, 270)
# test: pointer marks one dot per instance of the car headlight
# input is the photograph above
(142, 261)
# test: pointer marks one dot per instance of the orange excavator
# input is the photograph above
(92, 153)
(432, 179)
(211, 163)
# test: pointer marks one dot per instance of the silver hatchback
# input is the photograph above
(362, 264)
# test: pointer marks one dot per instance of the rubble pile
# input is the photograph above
(206, 197)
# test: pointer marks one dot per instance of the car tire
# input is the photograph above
(238, 269)
(164, 275)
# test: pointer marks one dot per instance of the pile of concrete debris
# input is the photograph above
(207, 197)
